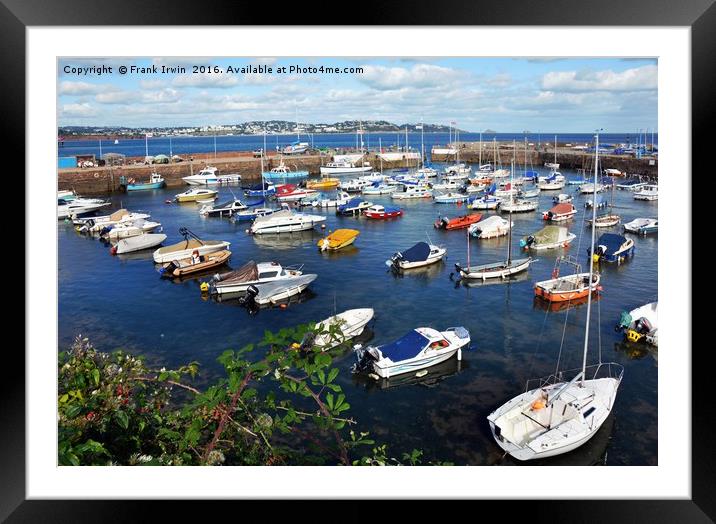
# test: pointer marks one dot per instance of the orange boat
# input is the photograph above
(567, 288)
(457, 223)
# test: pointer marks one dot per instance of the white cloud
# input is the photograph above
(213, 80)
(152, 84)
(637, 79)
(161, 96)
(77, 110)
(68, 87)
(420, 75)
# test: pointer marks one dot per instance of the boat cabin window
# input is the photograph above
(589, 412)
(268, 274)
(438, 344)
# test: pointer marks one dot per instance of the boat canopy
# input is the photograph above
(417, 253)
(531, 174)
(342, 235)
(246, 273)
(118, 214)
(353, 202)
(612, 242)
(491, 222)
(491, 189)
(560, 209)
(551, 234)
(404, 348)
(278, 214)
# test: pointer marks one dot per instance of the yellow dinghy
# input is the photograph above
(323, 183)
(340, 238)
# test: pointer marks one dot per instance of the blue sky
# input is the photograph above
(503, 94)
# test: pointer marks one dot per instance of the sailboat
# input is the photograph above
(496, 269)
(609, 219)
(560, 414)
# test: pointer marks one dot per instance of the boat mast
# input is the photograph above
(512, 202)
(591, 260)
(422, 145)
(480, 161)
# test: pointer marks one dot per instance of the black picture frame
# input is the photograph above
(699, 15)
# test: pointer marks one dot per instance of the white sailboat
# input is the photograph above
(560, 414)
(502, 269)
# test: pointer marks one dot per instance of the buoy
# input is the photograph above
(323, 226)
(246, 230)
(295, 345)
(421, 373)
(204, 287)
(113, 250)
(283, 306)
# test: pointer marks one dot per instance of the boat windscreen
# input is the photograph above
(404, 348)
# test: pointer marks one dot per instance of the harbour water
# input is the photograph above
(182, 145)
(121, 302)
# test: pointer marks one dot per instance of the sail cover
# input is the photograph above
(404, 348)
(611, 241)
(417, 253)
(491, 223)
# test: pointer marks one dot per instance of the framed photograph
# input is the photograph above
(424, 248)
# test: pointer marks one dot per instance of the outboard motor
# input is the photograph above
(527, 242)
(248, 300)
(643, 326)
(365, 361)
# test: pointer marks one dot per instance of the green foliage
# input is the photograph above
(284, 409)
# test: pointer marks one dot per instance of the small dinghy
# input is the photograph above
(381, 212)
(420, 348)
(612, 248)
(641, 324)
(338, 239)
(560, 213)
(227, 208)
(187, 246)
(340, 328)
(355, 206)
(492, 227)
(195, 263)
(457, 223)
(277, 291)
(138, 243)
(251, 274)
(549, 237)
(642, 226)
(421, 254)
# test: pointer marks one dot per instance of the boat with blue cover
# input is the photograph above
(354, 206)
(420, 348)
(613, 248)
(421, 254)
(259, 190)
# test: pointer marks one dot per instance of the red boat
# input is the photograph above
(560, 212)
(457, 223)
(381, 212)
(291, 193)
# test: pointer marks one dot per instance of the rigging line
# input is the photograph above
(599, 330)
(539, 341)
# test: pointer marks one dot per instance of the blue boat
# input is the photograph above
(155, 182)
(353, 207)
(613, 248)
(282, 173)
(260, 190)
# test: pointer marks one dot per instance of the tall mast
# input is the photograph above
(480, 161)
(591, 259)
(555, 151)
(512, 201)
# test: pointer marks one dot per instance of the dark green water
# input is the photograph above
(121, 302)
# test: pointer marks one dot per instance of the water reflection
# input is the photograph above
(435, 374)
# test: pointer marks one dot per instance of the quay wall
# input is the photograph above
(101, 180)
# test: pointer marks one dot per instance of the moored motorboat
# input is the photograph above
(344, 168)
(378, 188)
(647, 192)
(187, 246)
(411, 192)
(195, 263)
(566, 288)
(138, 243)
(450, 198)
(420, 348)
(129, 229)
(486, 202)
(492, 227)
(277, 291)
(194, 194)
(252, 213)
(421, 254)
(382, 212)
(562, 198)
(208, 176)
(227, 208)
(560, 213)
(549, 237)
(282, 173)
(641, 323)
(285, 221)
(354, 206)
(292, 193)
(323, 183)
(518, 205)
(251, 274)
(340, 328)
(458, 222)
(79, 207)
(338, 239)
(130, 184)
(642, 226)
(612, 248)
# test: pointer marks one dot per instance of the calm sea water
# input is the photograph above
(205, 144)
(121, 302)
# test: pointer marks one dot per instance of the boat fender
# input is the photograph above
(113, 250)
(204, 287)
